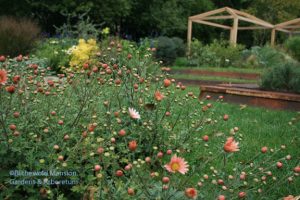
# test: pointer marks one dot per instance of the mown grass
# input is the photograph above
(258, 127)
(219, 69)
(212, 78)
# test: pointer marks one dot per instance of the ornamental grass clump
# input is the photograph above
(17, 36)
(122, 128)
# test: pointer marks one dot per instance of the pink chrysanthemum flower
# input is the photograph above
(158, 96)
(290, 197)
(231, 145)
(3, 77)
(191, 193)
(134, 114)
(177, 164)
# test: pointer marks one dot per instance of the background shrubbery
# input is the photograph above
(168, 49)
(282, 77)
(83, 27)
(217, 54)
(17, 35)
(55, 51)
(263, 57)
(293, 46)
(221, 54)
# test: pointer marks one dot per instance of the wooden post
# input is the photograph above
(231, 36)
(233, 31)
(273, 34)
(189, 36)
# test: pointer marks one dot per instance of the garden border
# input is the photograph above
(237, 75)
(261, 98)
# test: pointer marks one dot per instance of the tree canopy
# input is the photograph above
(147, 18)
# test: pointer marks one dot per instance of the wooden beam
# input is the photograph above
(273, 35)
(234, 31)
(231, 11)
(252, 27)
(211, 24)
(218, 17)
(294, 21)
(207, 13)
(247, 15)
(256, 22)
(282, 30)
(292, 27)
(238, 12)
(189, 36)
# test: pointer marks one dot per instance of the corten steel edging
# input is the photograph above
(252, 92)
(237, 75)
(265, 94)
(267, 99)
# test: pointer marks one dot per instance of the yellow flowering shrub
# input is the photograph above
(105, 31)
(83, 53)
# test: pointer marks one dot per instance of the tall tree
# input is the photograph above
(15, 8)
(163, 17)
(50, 13)
(236, 4)
(112, 13)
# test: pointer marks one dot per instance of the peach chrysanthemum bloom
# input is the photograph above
(191, 193)
(132, 145)
(177, 164)
(158, 96)
(134, 114)
(3, 77)
(231, 145)
(290, 197)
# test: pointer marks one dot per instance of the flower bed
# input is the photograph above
(120, 128)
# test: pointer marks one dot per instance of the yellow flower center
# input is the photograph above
(175, 166)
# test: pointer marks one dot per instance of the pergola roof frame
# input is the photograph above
(236, 16)
(293, 26)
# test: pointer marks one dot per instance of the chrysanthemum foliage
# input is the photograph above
(110, 130)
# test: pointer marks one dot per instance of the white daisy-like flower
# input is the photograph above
(71, 49)
(53, 42)
(133, 113)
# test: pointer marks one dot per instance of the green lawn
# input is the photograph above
(258, 127)
(212, 78)
(220, 69)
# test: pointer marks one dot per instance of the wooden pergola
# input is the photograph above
(225, 13)
(291, 27)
